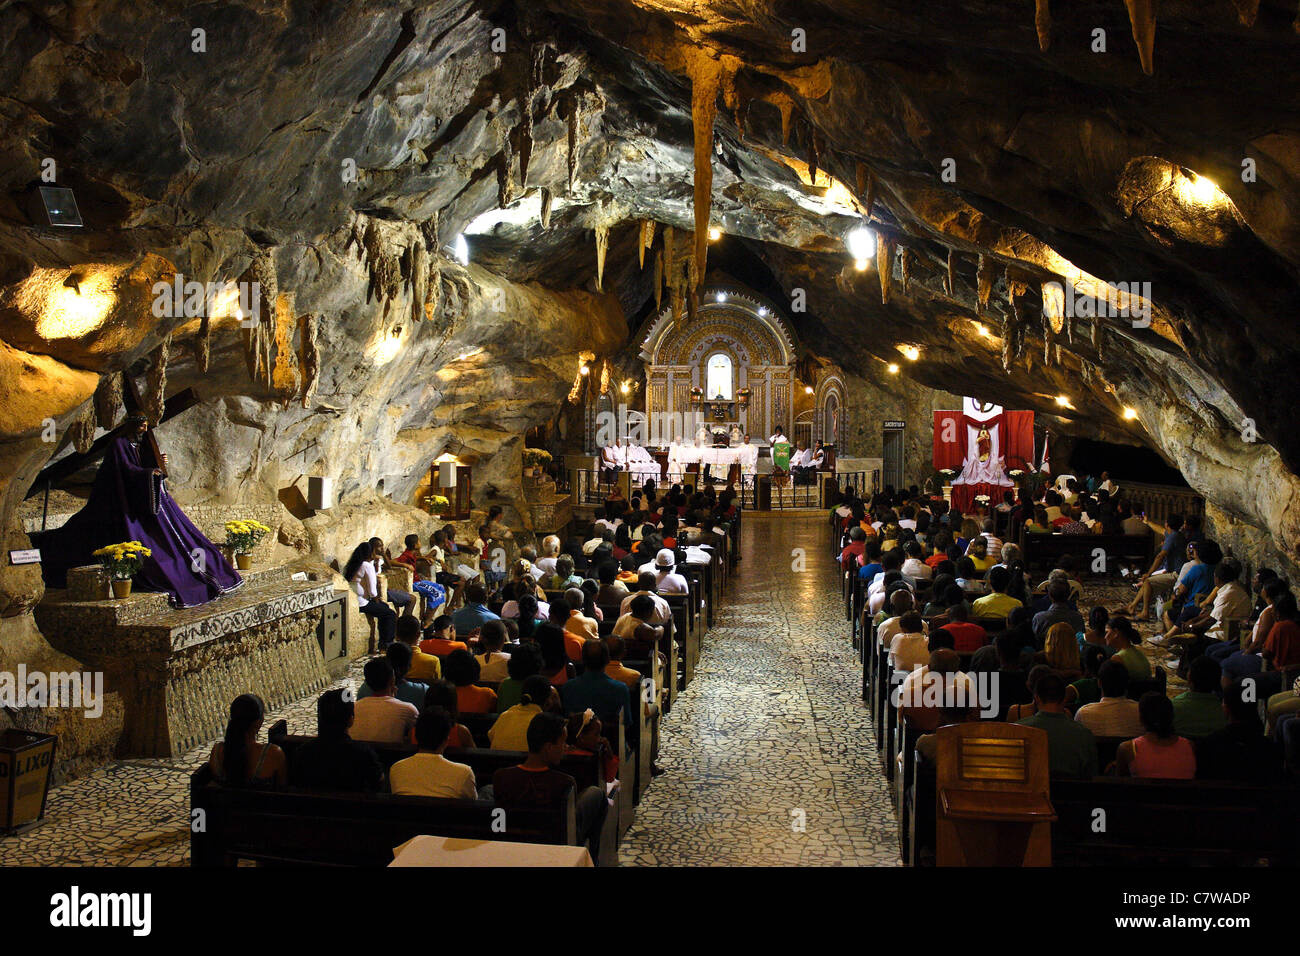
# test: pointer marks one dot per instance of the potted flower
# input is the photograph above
(242, 538)
(535, 459)
(122, 561)
(436, 504)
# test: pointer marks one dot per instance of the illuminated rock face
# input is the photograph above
(996, 155)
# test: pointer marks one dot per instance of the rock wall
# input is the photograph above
(874, 399)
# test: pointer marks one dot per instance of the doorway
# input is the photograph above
(893, 457)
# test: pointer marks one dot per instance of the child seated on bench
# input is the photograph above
(427, 773)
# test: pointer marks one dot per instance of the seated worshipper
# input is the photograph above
(855, 548)
(1199, 711)
(1281, 651)
(360, 573)
(1114, 715)
(470, 618)
(636, 627)
(909, 648)
(440, 637)
(1159, 753)
(1018, 712)
(1071, 747)
(667, 581)
(442, 693)
(997, 603)
(380, 558)
(1163, 573)
(586, 739)
(333, 760)
(536, 784)
(550, 553)
(616, 669)
(1061, 652)
(556, 666)
(939, 684)
(493, 662)
(913, 567)
(525, 589)
(1094, 634)
(870, 561)
(966, 573)
(1058, 591)
(239, 760)
(612, 591)
(1253, 645)
(1123, 637)
(1195, 582)
(462, 670)
(433, 592)
(1239, 750)
(944, 595)
(510, 732)
(595, 690)
(585, 628)
(399, 655)
(424, 667)
(646, 584)
(525, 661)
(380, 717)
(1039, 523)
(966, 637)
(1087, 689)
(427, 773)
(1228, 602)
(130, 501)
(978, 554)
(900, 602)
(801, 465)
(564, 576)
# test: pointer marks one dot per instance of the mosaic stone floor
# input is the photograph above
(769, 756)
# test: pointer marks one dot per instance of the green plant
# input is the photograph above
(536, 457)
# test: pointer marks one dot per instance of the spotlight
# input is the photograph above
(625, 388)
(808, 389)
(714, 234)
(460, 249)
(910, 352)
(861, 243)
(762, 311)
(1130, 414)
(583, 369)
(892, 368)
(1063, 401)
(721, 297)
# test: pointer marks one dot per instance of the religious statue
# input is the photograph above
(129, 501)
(984, 443)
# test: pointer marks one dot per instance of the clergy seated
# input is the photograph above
(129, 501)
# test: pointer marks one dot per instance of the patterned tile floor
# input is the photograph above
(769, 755)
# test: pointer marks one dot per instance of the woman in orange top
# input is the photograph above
(442, 642)
(462, 670)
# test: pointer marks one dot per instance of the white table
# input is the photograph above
(455, 851)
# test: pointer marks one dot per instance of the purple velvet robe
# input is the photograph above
(128, 502)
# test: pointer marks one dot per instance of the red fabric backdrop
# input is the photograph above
(1016, 440)
(949, 454)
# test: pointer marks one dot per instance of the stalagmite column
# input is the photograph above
(885, 266)
(984, 279)
(155, 383)
(1043, 24)
(1142, 16)
(602, 247)
(309, 356)
(419, 280)
(574, 120)
(647, 239)
(108, 400)
(906, 265)
(706, 78)
(547, 199)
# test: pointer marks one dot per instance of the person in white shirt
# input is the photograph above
(667, 580)
(1107, 485)
(1114, 715)
(910, 647)
(381, 718)
(550, 551)
(647, 582)
(493, 662)
(914, 567)
(817, 457)
(900, 602)
(361, 573)
(428, 773)
(777, 436)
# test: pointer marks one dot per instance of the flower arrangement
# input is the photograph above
(436, 504)
(242, 536)
(947, 472)
(123, 560)
(982, 499)
(536, 457)
(1017, 472)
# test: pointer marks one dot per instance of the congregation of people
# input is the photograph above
(950, 602)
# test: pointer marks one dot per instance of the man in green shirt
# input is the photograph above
(1199, 711)
(1071, 747)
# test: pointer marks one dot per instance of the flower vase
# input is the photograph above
(243, 560)
(121, 589)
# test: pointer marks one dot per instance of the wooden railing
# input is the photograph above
(1160, 501)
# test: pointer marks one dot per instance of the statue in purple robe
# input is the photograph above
(129, 501)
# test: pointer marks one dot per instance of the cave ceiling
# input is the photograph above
(992, 149)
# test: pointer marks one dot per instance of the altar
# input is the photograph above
(982, 444)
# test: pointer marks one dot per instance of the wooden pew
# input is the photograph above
(687, 640)
(1046, 550)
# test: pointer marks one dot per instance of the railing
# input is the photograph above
(1160, 501)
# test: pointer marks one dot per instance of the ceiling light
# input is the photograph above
(584, 369)
(861, 243)
(892, 368)
(983, 330)
(721, 297)
(1063, 401)
(808, 389)
(1130, 414)
(714, 234)
(762, 311)
(625, 388)
(460, 249)
(910, 352)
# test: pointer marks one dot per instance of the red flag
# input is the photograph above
(1046, 466)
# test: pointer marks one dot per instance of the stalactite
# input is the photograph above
(1053, 306)
(985, 275)
(659, 281)
(108, 400)
(871, 193)
(203, 344)
(286, 375)
(816, 144)
(547, 199)
(602, 247)
(1056, 351)
(786, 106)
(505, 172)
(1142, 17)
(861, 173)
(419, 281)
(1247, 11)
(885, 266)
(952, 273)
(706, 78)
(574, 119)
(1043, 24)
(670, 259)
(647, 239)
(257, 327)
(1069, 329)
(155, 383)
(906, 265)
(433, 283)
(309, 356)
(82, 429)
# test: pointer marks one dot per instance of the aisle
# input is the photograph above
(773, 728)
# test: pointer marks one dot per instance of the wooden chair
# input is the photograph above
(992, 790)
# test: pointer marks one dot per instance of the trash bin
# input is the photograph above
(26, 762)
(764, 493)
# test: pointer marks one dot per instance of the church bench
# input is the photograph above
(687, 640)
(1046, 550)
(348, 829)
(667, 680)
